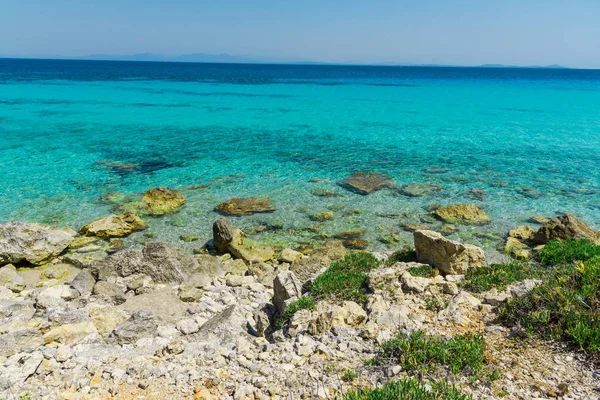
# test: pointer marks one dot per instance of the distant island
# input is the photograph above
(226, 58)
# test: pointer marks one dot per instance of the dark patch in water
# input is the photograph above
(150, 166)
(526, 110)
(393, 84)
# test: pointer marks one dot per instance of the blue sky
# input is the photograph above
(457, 32)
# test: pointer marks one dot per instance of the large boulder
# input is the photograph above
(449, 256)
(320, 257)
(161, 201)
(462, 214)
(159, 261)
(565, 227)
(245, 206)
(22, 242)
(21, 340)
(140, 325)
(224, 328)
(230, 239)
(366, 182)
(114, 226)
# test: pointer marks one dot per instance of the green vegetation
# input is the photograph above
(349, 375)
(425, 271)
(409, 389)
(500, 275)
(406, 254)
(565, 306)
(567, 251)
(419, 351)
(303, 303)
(346, 279)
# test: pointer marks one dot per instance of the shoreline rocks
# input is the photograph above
(449, 256)
(245, 206)
(366, 182)
(114, 226)
(22, 242)
(161, 201)
(565, 227)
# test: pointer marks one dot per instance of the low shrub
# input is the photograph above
(500, 275)
(567, 251)
(409, 389)
(303, 303)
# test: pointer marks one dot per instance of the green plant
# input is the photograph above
(566, 251)
(565, 306)
(303, 303)
(409, 389)
(500, 275)
(425, 271)
(418, 351)
(406, 254)
(346, 279)
(349, 375)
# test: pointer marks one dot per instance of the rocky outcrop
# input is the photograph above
(522, 233)
(140, 325)
(161, 201)
(159, 261)
(10, 279)
(320, 257)
(22, 242)
(366, 182)
(229, 239)
(227, 327)
(245, 206)
(462, 214)
(449, 256)
(286, 288)
(114, 226)
(419, 189)
(566, 227)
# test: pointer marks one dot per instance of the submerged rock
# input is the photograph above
(322, 216)
(566, 227)
(114, 226)
(32, 243)
(245, 206)
(462, 214)
(366, 182)
(419, 189)
(449, 256)
(161, 201)
(357, 244)
(476, 194)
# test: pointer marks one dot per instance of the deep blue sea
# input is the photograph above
(530, 138)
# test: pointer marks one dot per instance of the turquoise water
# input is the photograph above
(529, 138)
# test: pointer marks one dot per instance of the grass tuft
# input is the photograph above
(420, 351)
(425, 271)
(500, 275)
(567, 251)
(406, 254)
(409, 389)
(303, 303)
(565, 306)
(346, 279)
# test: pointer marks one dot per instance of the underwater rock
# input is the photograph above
(350, 234)
(530, 193)
(435, 169)
(462, 214)
(419, 189)
(566, 227)
(320, 192)
(114, 226)
(245, 206)
(322, 216)
(366, 182)
(32, 243)
(476, 194)
(161, 201)
(410, 227)
(357, 244)
(449, 256)
(539, 219)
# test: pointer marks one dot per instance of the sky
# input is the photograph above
(449, 32)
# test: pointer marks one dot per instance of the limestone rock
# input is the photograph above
(11, 279)
(19, 341)
(245, 206)
(522, 233)
(230, 239)
(69, 333)
(566, 227)
(114, 226)
(366, 182)
(83, 282)
(225, 327)
(449, 256)
(106, 318)
(159, 261)
(286, 288)
(13, 308)
(355, 314)
(415, 284)
(462, 214)
(516, 248)
(419, 189)
(141, 324)
(320, 257)
(161, 201)
(32, 243)
(55, 296)
(111, 292)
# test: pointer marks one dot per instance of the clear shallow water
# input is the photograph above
(252, 130)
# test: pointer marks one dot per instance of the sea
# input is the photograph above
(72, 132)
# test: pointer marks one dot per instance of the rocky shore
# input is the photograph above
(84, 317)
